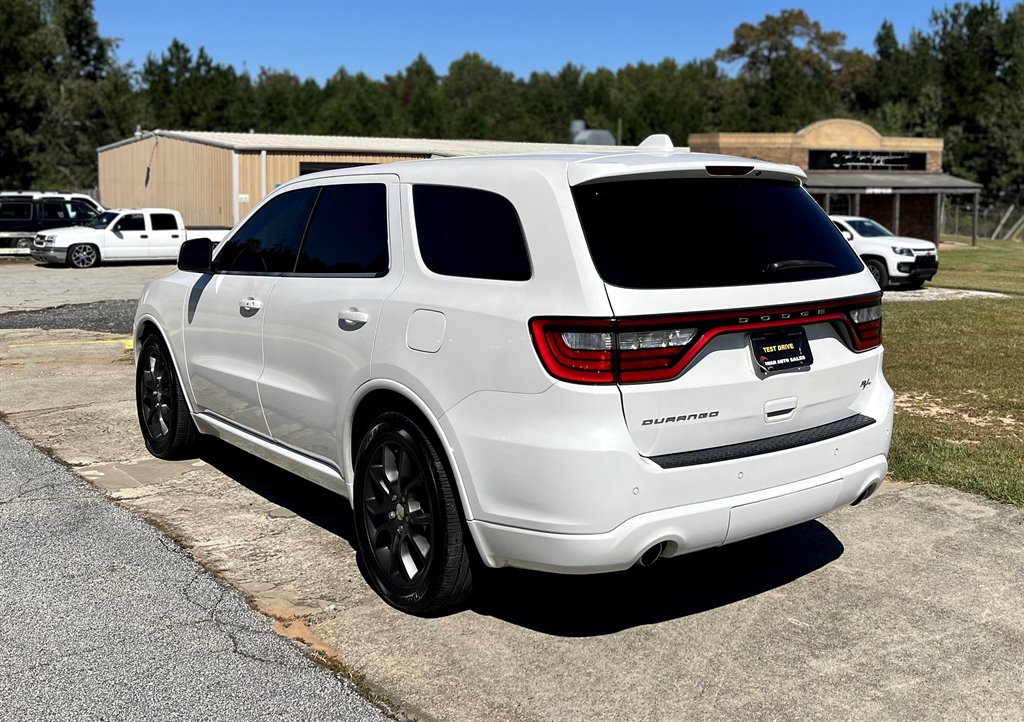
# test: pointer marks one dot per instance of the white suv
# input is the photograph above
(891, 259)
(566, 362)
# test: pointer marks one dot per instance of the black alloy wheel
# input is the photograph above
(164, 418)
(409, 530)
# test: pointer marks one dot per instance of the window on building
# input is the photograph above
(164, 222)
(269, 241)
(348, 232)
(470, 233)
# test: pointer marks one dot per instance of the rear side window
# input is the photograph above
(164, 222)
(471, 233)
(707, 232)
(15, 211)
(82, 211)
(348, 232)
(269, 241)
(55, 211)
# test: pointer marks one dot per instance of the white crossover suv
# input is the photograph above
(573, 362)
(891, 259)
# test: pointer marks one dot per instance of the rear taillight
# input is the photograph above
(644, 349)
(867, 326)
(607, 351)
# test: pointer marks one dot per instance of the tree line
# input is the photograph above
(63, 92)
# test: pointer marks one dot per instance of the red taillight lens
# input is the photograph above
(867, 326)
(599, 351)
(658, 348)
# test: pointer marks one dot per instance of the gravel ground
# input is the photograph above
(104, 617)
(104, 316)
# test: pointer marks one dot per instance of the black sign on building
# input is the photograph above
(865, 160)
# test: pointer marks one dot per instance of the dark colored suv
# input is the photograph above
(22, 215)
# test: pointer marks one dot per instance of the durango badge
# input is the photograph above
(681, 417)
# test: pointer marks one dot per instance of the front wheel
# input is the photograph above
(879, 272)
(164, 418)
(83, 255)
(409, 530)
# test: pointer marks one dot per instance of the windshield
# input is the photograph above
(708, 232)
(103, 220)
(869, 229)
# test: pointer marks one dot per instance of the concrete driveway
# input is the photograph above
(906, 607)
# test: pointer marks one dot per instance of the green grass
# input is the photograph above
(958, 371)
(991, 266)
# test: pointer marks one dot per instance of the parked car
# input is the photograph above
(565, 362)
(892, 260)
(123, 234)
(23, 214)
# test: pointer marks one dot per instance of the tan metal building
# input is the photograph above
(214, 179)
(852, 169)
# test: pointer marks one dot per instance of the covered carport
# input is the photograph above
(908, 204)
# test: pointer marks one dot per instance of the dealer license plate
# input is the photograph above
(781, 350)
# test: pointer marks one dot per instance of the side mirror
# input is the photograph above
(196, 255)
(848, 235)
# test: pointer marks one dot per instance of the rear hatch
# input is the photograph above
(740, 311)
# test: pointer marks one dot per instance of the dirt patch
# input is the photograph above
(928, 406)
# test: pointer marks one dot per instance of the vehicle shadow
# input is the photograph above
(313, 503)
(600, 604)
(573, 605)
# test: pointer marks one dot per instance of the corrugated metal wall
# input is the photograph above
(282, 167)
(169, 173)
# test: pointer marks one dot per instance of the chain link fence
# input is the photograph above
(999, 220)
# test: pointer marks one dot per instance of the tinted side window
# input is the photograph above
(471, 233)
(269, 241)
(82, 211)
(349, 231)
(132, 222)
(164, 222)
(55, 211)
(16, 211)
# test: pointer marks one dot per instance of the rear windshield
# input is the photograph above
(706, 232)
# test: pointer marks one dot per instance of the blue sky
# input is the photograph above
(313, 38)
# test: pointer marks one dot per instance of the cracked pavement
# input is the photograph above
(105, 617)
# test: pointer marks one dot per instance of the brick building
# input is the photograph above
(853, 169)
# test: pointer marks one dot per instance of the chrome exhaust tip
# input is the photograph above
(651, 555)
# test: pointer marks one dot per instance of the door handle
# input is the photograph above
(353, 316)
(174, 235)
(143, 236)
(250, 304)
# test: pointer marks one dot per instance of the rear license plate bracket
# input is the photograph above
(781, 350)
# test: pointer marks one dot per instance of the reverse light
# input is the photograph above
(867, 327)
(869, 313)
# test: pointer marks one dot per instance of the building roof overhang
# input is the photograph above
(886, 182)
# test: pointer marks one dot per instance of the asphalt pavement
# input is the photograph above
(106, 618)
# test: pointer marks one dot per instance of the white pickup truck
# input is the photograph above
(120, 234)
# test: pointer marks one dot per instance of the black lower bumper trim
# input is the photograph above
(764, 446)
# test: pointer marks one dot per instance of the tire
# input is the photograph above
(409, 531)
(164, 418)
(83, 255)
(879, 272)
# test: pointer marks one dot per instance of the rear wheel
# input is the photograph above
(409, 530)
(83, 255)
(164, 418)
(878, 271)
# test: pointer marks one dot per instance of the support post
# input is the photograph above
(974, 230)
(856, 204)
(896, 214)
(234, 188)
(828, 202)
(939, 197)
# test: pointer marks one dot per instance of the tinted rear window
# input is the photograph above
(15, 211)
(164, 222)
(471, 233)
(700, 233)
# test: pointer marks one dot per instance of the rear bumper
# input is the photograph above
(682, 529)
(554, 482)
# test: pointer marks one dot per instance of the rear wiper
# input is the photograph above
(798, 265)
